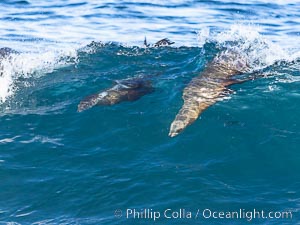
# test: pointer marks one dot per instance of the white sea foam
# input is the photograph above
(259, 50)
(43, 140)
(31, 64)
(8, 140)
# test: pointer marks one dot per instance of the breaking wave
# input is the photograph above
(21, 66)
(246, 39)
(259, 51)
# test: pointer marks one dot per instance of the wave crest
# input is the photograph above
(246, 39)
(25, 65)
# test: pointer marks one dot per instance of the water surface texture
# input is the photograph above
(59, 166)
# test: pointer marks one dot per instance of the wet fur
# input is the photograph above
(208, 88)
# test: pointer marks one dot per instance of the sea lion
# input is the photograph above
(123, 90)
(209, 87)
(160, 43)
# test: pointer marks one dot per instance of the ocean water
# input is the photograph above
(59, 166)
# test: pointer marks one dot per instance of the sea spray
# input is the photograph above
(259, 50)
(31, 64)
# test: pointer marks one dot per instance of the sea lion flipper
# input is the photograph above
(145, 43)
(229, 82)
(241, 79)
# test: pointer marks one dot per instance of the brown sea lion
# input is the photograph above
(209, 87)
(160, 43)
(124, 90)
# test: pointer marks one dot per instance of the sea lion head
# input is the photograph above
(176, 127)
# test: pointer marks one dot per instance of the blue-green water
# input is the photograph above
(58, 166)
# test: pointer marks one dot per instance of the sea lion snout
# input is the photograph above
(176, 127)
